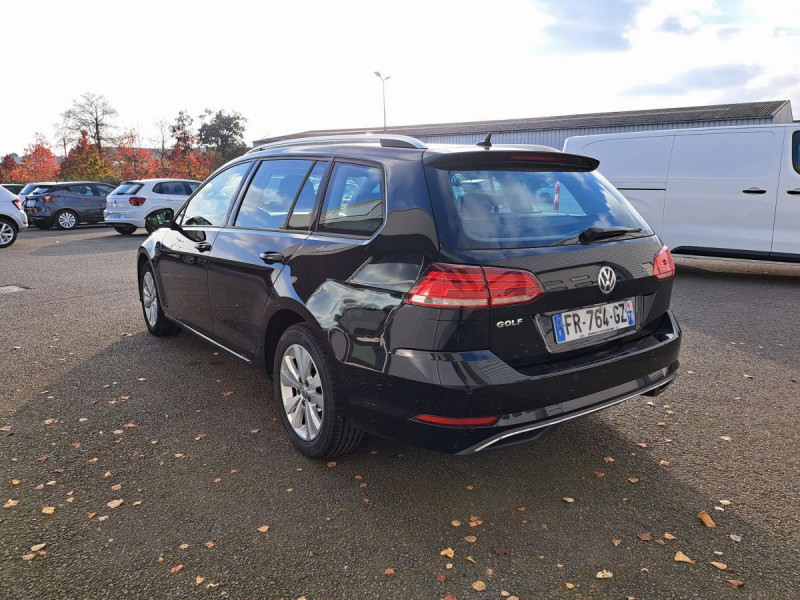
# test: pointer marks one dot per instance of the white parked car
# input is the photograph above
(12, 218)
(716, 191)
(132, 202)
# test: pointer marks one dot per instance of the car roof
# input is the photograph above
(158, 180)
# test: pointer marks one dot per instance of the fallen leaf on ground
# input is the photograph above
(264, 528)
(669, 536)
(254, 431)
(179, 455)
(642, 445)
(116, 487)
(568, 500)
(599, 474)
(455, 523)
(199, 580)
(450, 597)
(718, 553)
(448, 552)
(470, 539)
(448, 566)
(38, 547)
(11, 503)
(226, 394)
(726, 438)
(15, 482)
(441, 578)
(470, 487)
(725, 502)
(470, 559)
(48, 510)
(28, 557)
(616, 542)
(661, 424)
(478, 586)
(608, 459)
(735, 582)
(681, 557)
(645, 537)
(39, 487)
(746, 376)
(103, 518)
(633, 479)
(719, 565)
(115, 503)
(500, 549)
(107, 474)
(569, 586)
(664, 463)
(137, 503)
(389, 571)
(49, 421)
(218, 479)
(176, 569)
(331, 463)
(209, 545)
(183, 546)
(706, 519)
(199, 436)
(735, 538)
(604, 574)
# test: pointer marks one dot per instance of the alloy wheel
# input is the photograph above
(301, 392)
(6, 233)
(67, 220)
(150, 299)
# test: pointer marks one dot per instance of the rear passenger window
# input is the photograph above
(307, 200)
(353, 201)
(83, 190)
(173, 188)
(271, 193)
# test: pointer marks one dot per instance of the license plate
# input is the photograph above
(113, 216)
(593, 320)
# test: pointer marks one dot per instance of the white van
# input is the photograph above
(716, 191)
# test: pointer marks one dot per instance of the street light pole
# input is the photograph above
(383, 90)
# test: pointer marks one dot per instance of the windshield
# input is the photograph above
(522, 209)
(127, 189)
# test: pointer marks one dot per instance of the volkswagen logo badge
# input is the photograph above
(606, 279)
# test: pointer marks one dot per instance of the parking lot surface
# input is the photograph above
(139, 467)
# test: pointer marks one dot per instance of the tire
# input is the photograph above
(299, 387)
(124, 229)
(157, 323)
(8, 233)
(66, 219)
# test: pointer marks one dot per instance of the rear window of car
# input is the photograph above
(519, 208)
(28, 188)
(40, 189)
(127, 189)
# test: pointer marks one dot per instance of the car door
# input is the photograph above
(722, 190)
(102, 191)
(270, 224)
(786, 237)
(81, 198)
(169, 194)
(182, 255)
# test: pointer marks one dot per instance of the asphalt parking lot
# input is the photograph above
(216, 503)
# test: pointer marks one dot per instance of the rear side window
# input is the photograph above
(81, 190)
(128, 189)
(271, 193)
(522, 209)
(796, 151)
(193, 186)
(103, 190)
(353, 201)
(173, 188)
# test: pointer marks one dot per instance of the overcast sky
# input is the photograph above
(296, 65)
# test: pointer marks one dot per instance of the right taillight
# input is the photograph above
(466, 286)
(137, 200)
(47, 198)
(663, 265)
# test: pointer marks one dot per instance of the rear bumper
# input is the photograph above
(478, 384)
(112, 217)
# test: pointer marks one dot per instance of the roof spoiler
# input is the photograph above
(514, 160)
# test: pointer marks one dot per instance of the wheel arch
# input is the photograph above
(10, 221)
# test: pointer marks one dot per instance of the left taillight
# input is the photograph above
(137, 200)
(17, 203)
(467, 286)
(663, 265)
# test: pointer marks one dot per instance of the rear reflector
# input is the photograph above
(457, 422)
(466, 286)
(663, 265)
(137, 200)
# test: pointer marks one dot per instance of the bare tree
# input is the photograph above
(163, 135)
(91, 113)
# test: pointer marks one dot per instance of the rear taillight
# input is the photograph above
(137, 200)
(47, 198)
(17, 203)
(465, 286)
(663, 265)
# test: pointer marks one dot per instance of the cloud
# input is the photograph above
(701, 78)
(672, 24)
(786, 31)
(590, 26)
(727, 33)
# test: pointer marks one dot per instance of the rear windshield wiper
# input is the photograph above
(592, 234)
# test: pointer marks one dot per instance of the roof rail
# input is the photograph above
(387, 141)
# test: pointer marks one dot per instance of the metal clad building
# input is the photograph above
(552, 131)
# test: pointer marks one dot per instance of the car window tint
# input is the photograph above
(796, 150)
(82, 190)
(271, 193)
(127, 189)
(304, 206)
(353, 201)
(193, 186)
(209, 206)
(104, 190)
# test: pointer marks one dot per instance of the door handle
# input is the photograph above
(271, 257)
(753, 190)
(794, 192)
(203, 246)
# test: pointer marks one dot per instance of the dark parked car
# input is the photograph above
(66, 204)
(382, 298)
(14, 188)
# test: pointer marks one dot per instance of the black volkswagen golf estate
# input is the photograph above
(435, 295)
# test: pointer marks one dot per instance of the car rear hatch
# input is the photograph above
(568, 264)
(120, 199)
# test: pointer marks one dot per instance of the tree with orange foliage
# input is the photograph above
(9, 170)
(186, 160)
(39, 162)
(132, 161)
(84, 162)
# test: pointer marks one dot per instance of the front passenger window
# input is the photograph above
(210, 205)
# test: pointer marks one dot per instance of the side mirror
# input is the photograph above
(158, 219)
